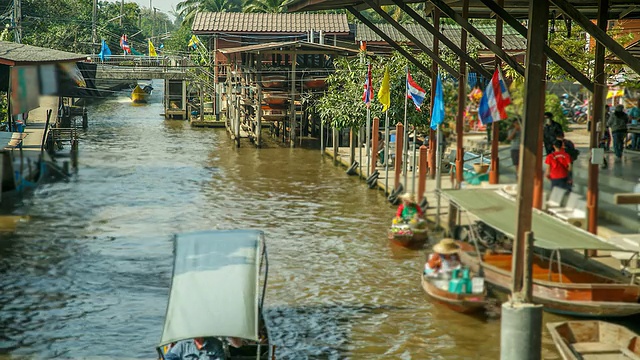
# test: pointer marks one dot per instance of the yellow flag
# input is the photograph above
(384, 94)
(152, 49)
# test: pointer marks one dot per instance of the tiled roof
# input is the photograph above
(511, 40)
(13, 53)
(230, 22)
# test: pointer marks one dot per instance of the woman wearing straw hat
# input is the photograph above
(444, 258)
(409, 208)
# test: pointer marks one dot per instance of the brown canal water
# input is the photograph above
(88, 276)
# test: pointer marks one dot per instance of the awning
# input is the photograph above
(215, 286)
(500, 213)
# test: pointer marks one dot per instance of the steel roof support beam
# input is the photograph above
(445, 40)
(599, 34)
(552, 54)
(440, 4)
(389, 40)
(411, 37)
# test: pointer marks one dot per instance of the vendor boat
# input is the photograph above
(141, 94)
(216, 291)
(315, 83)
(408, 236)
(274, 81)
(597, 340)
(466, 302)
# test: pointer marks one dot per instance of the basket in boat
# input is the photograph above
(480, 168)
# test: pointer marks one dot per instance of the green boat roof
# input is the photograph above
(500, 212)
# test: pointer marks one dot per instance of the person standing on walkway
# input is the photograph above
(514, 138)
(634, 115)
(552, 130)
(558, 166)
(618, 124)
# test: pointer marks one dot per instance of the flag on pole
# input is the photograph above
(152, 50)
(384, 94)
(494, 100)
(194, 42)
(124, 44)
(367, 96)
(414, 91)
(105, 52)
(437, 113)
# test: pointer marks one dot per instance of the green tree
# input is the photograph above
(265, 6)
(187, 9)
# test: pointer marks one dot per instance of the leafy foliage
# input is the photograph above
(551, 104)
(265, 6)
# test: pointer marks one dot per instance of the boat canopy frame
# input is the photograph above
(215, 287)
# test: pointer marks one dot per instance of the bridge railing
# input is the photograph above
(142, 61)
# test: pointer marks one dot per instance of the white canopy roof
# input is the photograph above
(215, 286)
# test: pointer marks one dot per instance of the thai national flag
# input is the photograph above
(494, 100)
(414, 91)
(124, 44)
(367, 96)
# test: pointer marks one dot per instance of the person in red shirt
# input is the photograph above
(409, 208)
(559, 166)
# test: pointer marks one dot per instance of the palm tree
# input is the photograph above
(265, 6)
(188, 8)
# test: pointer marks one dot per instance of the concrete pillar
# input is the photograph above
(520, 331)
(399, 147)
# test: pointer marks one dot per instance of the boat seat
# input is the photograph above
(596, 348)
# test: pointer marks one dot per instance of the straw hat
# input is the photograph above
(446, 246)
(408, 197)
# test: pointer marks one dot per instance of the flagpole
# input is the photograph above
(386, 152)
(368, 126)
(405, 149)
(438, 174)
(413, 167)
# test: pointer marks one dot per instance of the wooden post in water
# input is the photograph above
(292, 133)
(422, 180)
(374, 143)
(399, 148)
(260, 96)
(434, 78)
(352, 146)
(335, 145)
(462, 86)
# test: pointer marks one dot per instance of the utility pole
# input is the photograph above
(121, 11)
(17, 20)
(153, 23)
(94, 31)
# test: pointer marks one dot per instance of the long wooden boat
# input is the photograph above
(140, 95)
(463, 303)
(564, 289)
(315, 83)
(408, 237)
(276, 99)
(594, 340)
(204, 263)
(274, 81)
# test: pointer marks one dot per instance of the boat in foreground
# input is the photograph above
(564, 280)
(216, 292)
(141, 94)
(594, 340)
(466, 303)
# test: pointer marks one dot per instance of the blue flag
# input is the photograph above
(105, 52)
(437, 114)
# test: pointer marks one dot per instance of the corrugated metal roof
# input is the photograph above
(301, 45)
(230, 22)
(16, 54)
(511, 40)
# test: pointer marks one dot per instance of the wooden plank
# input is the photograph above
(595, 348)
(389, 40)
(626, 198)
(552, 54)
(599, 34)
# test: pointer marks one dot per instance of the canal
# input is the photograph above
(88, 275)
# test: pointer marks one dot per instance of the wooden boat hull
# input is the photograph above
(276, 100)
(138, 95)
(416, 241)
(462, 303)
(315, 83)
(272, 82)
(594, 340)
(576, 295)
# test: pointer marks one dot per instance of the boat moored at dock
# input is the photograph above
(597, 340)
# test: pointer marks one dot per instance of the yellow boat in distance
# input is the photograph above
(141, 94)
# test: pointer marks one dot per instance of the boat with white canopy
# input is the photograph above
(216, 292)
